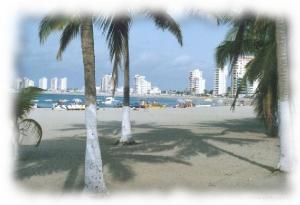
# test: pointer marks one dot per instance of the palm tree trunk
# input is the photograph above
(94, 180)
(283, 96)
(126, 126)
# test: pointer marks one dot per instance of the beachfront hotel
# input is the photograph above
(142, 86)
(196, 82)
(238, 73)
(23, 83)
(54, 82)
(220, 83)
(43, 83)
(63, 84)
(106, 83)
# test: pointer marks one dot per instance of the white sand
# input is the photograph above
(208, 148)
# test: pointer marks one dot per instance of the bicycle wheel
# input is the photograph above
(30, 132)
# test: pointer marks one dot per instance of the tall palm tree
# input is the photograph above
(283, 95)
(71, 27)
(266, 39)
(117, 34)
(252, 35)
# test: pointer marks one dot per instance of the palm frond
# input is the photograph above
(50, 24)
(24, 102)
(70, 32)
(164, 21)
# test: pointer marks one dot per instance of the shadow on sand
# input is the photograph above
(67, 153)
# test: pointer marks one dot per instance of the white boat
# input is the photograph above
(109, 101)
(75, 106)
(58, 107)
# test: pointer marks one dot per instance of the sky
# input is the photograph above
(153, 53)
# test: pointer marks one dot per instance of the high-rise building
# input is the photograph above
(220, 81)
(155, 91)
(63, 84)
(196, 82)
(53, 85)
(18, 84)
(238, 73)
(106, 84)
(26, 82)
(251, 87)
(43, 83)
(31, 83)
(142, 86)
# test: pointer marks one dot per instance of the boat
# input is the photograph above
(75, 106)
(59, 106)
(183, 103)
(110, 101)
(146, 104)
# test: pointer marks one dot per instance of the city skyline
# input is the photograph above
(162, 64)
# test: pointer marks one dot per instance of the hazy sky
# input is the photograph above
(153, 53)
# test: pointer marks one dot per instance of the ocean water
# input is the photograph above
(47, 100)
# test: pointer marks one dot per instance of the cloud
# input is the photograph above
(182, 60)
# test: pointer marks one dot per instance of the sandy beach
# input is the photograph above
(199, 149)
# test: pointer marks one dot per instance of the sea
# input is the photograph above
(46, 100)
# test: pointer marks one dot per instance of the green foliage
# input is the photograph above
(27, 127)
(116, 29)
(24, 101)
(254, 35)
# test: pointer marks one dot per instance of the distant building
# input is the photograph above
(31, 83)
(43, 83)
(142, 86)
(220, 81)
(106, 84)
(18, 84)
(54, 82)
(155, 91)
(25, 83)
(251, 87)
(63, 84)
(196, 82)
(238, 73)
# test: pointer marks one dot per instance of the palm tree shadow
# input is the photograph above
(67, 153)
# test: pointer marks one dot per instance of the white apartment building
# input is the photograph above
(251, 87)
(106, 84)
(26, 82)
(63, 84)
(196, 82)
(238, 73)
(220, 84)
(18, 84)
(43, 83)
(31, 83)
(142, 86)
(155, 91)
(54, 82)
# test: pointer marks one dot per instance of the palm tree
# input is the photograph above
(283, 95)
(251, 35)
(70, 27)
(27, 127)
(266, 39)
(117, 35)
